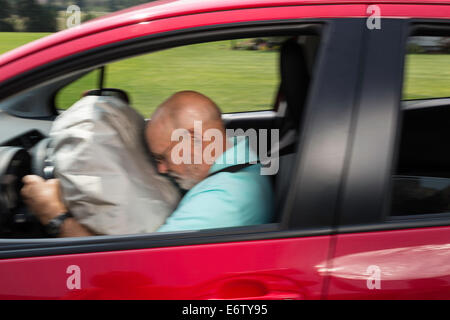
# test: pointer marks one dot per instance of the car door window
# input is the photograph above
(238, 74)
(421, 183)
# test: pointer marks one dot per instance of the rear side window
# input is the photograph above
(427, 68)
(421, 182)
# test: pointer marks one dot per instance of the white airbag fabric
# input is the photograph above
(108, 182)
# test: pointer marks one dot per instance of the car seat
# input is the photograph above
(295, 79)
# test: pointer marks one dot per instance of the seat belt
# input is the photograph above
(233, 169)
(285, 144)
(288, 141)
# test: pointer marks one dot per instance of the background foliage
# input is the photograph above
(49, 15)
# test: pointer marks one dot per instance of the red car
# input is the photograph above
(363, 193)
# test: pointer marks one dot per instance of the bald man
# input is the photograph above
(216, 197)
(222, 191)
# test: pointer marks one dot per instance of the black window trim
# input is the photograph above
(14, 248)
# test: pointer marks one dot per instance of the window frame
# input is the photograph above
(290, 226)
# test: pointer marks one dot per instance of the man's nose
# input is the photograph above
(162, 167)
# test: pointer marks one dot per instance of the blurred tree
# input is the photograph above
(5, 12)
(113, 5)
(45, 21)
(414, 48)
(24, 8)
(5, 26)
(88, 16)
(445, 43)
(95, 5)
(37, 18)
(5, 9)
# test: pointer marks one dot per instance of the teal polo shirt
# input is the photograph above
(226, 199)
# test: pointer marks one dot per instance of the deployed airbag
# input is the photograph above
(107, 178)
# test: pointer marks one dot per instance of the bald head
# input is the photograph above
(196, 115)
(185, 107)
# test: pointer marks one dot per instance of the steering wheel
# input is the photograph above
(15, 163)
(41, 164)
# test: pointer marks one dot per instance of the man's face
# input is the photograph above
(158, 136)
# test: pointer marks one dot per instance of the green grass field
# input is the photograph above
(12, 40)
(427, 75)
(238, 80)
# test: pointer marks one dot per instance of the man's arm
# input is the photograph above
(43, 198)
(72, 228)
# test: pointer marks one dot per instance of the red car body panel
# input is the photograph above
(294, 268)
(268, 269)
(413, 264)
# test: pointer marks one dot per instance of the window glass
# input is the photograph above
(419, 195)
(427, 68)
(239, 75)
(71, 93)
(421, 182)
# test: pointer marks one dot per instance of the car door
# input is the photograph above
(273, 261)
(393, 238)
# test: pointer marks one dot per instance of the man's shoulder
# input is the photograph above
(224, 200)
(243, 188)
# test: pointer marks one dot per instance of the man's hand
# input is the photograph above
(43, 197)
